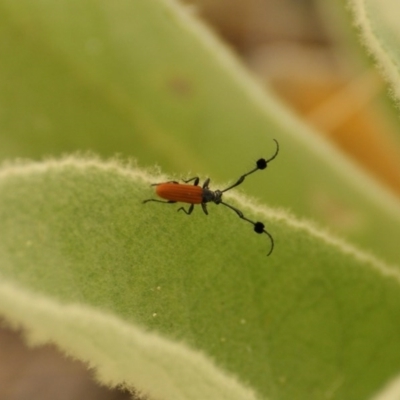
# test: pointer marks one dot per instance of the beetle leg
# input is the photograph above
(196, 180)
(189, 211)
(206, 183)
(159, 201)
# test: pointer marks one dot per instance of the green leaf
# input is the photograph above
(145, 78)
(177, 305)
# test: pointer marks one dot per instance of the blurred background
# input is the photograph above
(308, 54)
(305, 51)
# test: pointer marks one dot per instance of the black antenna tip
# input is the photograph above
(259, 227)
(261, 163)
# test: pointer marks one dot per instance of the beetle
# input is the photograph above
(173, 192)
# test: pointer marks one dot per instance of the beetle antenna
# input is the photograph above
(276, 153)
(260, 164)
(259, 227)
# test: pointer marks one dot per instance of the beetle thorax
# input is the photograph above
(212, 196)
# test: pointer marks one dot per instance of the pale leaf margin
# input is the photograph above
(374, 45)
(130, 169)
(390, 391)
(121, 354)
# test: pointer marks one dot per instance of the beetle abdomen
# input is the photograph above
(179, 192)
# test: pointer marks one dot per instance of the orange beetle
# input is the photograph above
(174, 192)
